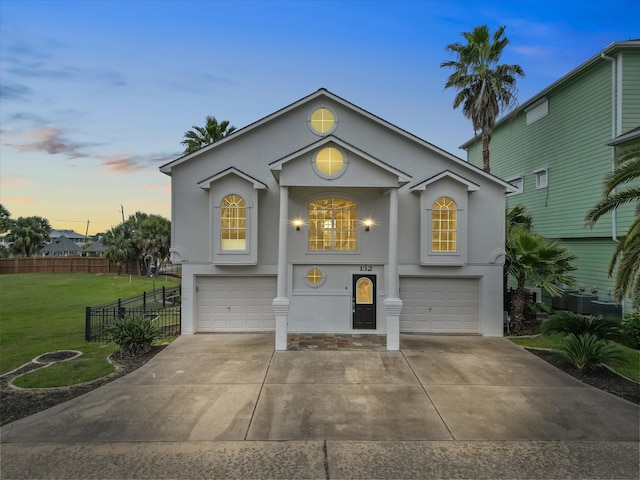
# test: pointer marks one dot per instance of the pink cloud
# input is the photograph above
(50, 140)
(18, 200)
(121, 164)
(15, 181)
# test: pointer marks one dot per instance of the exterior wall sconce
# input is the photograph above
(368, 223)
(298, 223)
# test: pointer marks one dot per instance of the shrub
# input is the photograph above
(133, 334)
(631, 329)
(586, 351)
(576, 324)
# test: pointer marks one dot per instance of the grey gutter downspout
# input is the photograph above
(614, 134)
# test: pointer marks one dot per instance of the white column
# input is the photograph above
(393, 302)
(281, 302)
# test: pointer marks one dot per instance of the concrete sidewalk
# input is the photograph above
(228, 406)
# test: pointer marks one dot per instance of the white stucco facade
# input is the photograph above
(325, 250)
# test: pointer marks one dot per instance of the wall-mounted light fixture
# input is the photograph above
(298, 223)
(368, 223)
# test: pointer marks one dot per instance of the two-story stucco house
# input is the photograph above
(556, 149)
(322, 217)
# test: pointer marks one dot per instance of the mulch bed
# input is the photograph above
(19, 403)
(601, 378)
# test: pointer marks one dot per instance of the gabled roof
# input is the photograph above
(324, 93)
(600, 56)
(471, 186)
(96, 247)
(60, 245)
(276, 166)
(206, 183)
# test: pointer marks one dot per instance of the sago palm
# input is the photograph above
(484, 87)
(620, 189)
(202, 136)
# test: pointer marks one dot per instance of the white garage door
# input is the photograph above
(440, 305)
(235, 304)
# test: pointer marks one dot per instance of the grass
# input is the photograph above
(629, 365)
(45, 312)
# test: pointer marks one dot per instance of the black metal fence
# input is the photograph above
(162, 307)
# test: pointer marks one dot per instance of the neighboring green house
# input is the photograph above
(557, 147)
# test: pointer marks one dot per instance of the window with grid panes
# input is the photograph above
(233, 223)
(444, 225)
(333, 224)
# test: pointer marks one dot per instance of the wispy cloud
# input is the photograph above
(18, 200)
(50, 140)
(15, 181)
(122, 163)
(530, 51)
(14, 92)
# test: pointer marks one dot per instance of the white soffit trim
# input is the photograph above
(276, 166)
(257, 184)
(471, 186)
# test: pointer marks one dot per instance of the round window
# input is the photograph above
(314, 278)
(322, 121)
(330, 162)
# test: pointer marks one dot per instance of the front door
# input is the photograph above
(364, 302)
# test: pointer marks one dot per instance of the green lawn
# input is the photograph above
(629, 366)
(45, 312)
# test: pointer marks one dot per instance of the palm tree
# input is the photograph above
(627, 252)
(539, 261)
(119, 245)
(483, 86)
(28, 235)
(202, 136)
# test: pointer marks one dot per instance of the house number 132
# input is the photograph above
(366, 268)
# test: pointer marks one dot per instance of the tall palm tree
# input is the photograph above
(539, 261)
(202, 136)
(627, 252)
(483, 86)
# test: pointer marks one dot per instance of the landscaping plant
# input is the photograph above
(574, 323)
(631, 329)
(586, 351)
(133, 334)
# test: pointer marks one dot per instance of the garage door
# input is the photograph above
(440, 305)
(235, 304)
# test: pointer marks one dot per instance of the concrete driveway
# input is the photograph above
(228, 406)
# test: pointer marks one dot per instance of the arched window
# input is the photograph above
(444, 225)
(233, 223)
(333, 224)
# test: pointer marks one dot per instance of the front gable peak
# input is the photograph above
(207, 182)
(471, 186)
(333, 141)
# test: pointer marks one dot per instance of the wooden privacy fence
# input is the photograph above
(55, 264)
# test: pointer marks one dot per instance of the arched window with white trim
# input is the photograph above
(233, 223)
(444, 225)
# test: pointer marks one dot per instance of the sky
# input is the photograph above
(96, 95)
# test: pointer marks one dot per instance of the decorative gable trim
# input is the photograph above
(276, 166)
(206, 183)
(471, 186)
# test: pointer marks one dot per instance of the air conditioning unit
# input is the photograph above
(535, 293)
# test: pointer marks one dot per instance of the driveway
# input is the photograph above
(228, 406)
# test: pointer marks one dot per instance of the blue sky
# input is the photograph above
(96, 95)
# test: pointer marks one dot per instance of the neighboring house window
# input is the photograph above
(542, 177)
(333, 224)
(233, 223)
(517, 182)
(315, 277)
(537, 111)
(322, 121)
(329, 162)
(444, 225)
